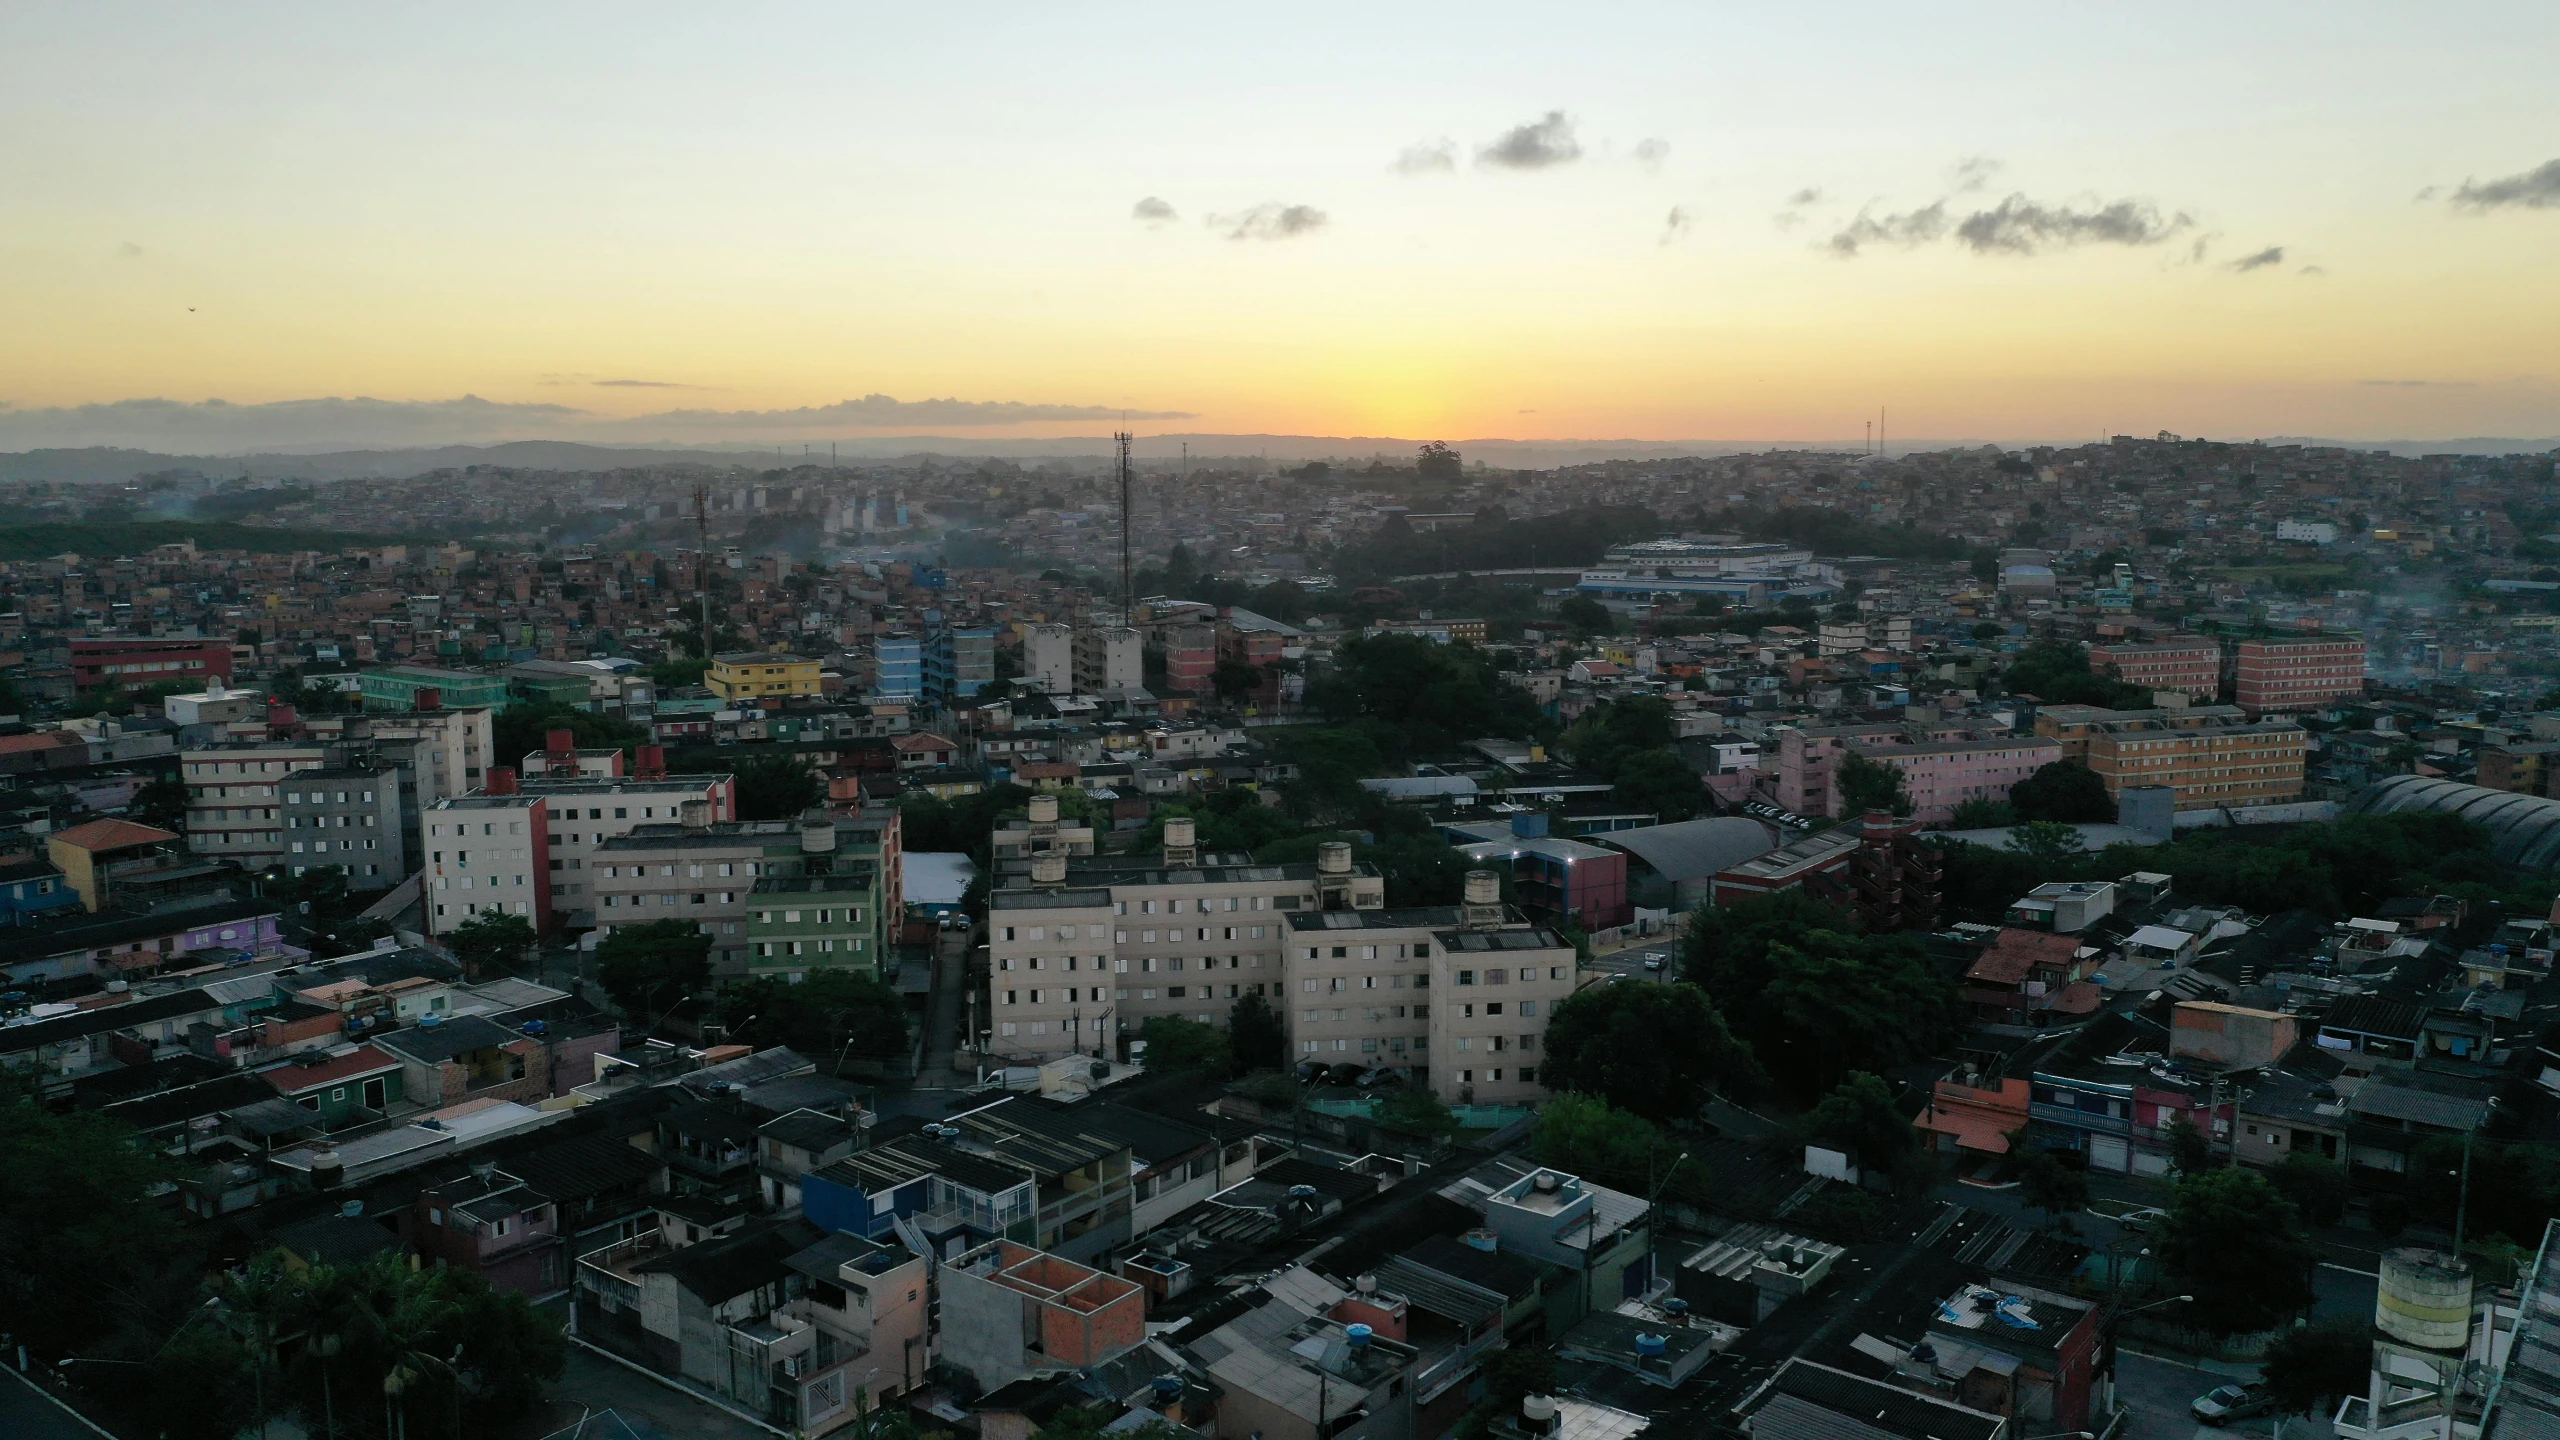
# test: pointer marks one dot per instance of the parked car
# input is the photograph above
(1378, 1075)
(1347, 1073)
(2144, 1220)
(2227, 1403)
(1653, 962)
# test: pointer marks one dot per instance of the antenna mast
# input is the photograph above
(702, 562)
(1128, 594)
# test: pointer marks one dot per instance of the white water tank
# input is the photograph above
(2424, 1299)
(1044, 809)
(1333, 857)
(1049, 871)
(1484, 888)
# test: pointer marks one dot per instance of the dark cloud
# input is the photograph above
(2272, 255)
(1650, 153)
(1153, 211)
(1270, 222)
(1675, 225)
(220, 427)
(1973, 172)
(2535, 189)
(1538, 145)
(2019, 226)
(1428, 157)
(1910, 228)
(1809, 195)
(645, 385)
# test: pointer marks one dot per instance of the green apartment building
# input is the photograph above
(800, 924)
(396, 687)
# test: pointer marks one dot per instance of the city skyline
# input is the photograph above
(1665, 225)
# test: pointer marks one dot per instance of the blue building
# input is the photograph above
(958, 662)
(30, 888)
(901, 665)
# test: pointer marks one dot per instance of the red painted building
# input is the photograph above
(131, 663)
(2298, 674)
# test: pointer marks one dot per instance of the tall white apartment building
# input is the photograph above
(1111, 658)
(487, 853)
(1049, 658)
(1084, 952)
(456, 748)
(588, 813)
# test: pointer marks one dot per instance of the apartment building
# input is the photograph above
(761, 675)
(1112, 658)
(957, 662)
(898, 666)
(1083, 952)
(2207, 766)
(456, 748)
(348, 816)
(124, 663)
(1944, 774)
(702, 871)
(1190, 658)
(487, 853)
(1459, 996)
(1795, 773)
(1049, 658)
(800, 924)
(586, 813)
(2191, 666)
(235, 799)
(2286, 675)
(2072, 725)
(1038, 831)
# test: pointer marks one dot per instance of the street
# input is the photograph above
(1631, 960)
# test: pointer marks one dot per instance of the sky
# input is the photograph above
(696, 224)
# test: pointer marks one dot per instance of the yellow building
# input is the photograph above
(757, 675)
(2209, 766)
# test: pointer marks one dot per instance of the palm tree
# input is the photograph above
(259, 1297)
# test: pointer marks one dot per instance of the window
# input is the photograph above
(1466, 977)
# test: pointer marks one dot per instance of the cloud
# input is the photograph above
(1427, 157)
(1270, 222)
(2420, 384)
(2019, 226)
(1791, 214)
(2272, 255)
(1538, 145)
(1910, 228)
(1675, 225)
(1153, 211)
(128, 251)
(1809, 195)
(1973, 172)
(1650, 153)
(2313, 270)
(644, 385)
(2535, 189)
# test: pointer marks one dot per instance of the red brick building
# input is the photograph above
(2190, 666)
(147, 662)
(2299, 674)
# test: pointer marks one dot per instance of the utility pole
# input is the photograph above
(1128, 594)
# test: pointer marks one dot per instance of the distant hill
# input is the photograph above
(34, 542)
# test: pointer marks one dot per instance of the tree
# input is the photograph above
(1517, 1372)
(1660, 781)
(525, 727)
(490, 941)
(1983, 815)
(162, 802)
(836, 1012)
(1438, 464)
(86, 1250)
(1654, 1050)
(1588, 1136)
(1872, 786)
(1234, 681)
(2190, 1151)
(1843, 1215)
(1586, 615)
(777, 787)
(2317, 1187)
(2057, 672)
(2065, 791)
(2239, 1248)
(649, 969)
(1859, 1119)
(1255, 1035)
(2045, 842)
(2310, 1366)
(1420, 1111)
(1175, 1044)
(2052, 1183)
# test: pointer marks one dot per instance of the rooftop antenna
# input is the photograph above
(702, 561)
(1128, 596)
(1879, 429)
(1871, 437)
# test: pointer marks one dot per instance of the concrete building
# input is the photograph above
(1049, 658)
(455, 748)
(2190, 667)
(800, 924)
(762, 675)
(2289, 675)
(422, 687)
(129, 664)
(2207, 766)
(1010, 1313)
(1190, 658)
(697, 870)
(348, 816)
(487, 853)
(1944, 774)
(586, 813)
(235, 799)
(898, 665)
(959, 661)
(1083, 952)
(1111, 658)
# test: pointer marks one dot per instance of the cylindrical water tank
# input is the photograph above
(1358, 1335)
(1651, 1347)
(1333, 857)
(1484, 888)
(1540, 1408)
(2424, 1299)
(1044, 809)
(817, 834)
(1180, 833)
(1048, 869)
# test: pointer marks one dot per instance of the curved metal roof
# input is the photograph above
(2523, 829)
(1693, 849)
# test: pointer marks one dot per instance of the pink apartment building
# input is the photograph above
(1944, 774)
(2192, 667)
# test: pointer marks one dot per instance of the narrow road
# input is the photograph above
(951, 950)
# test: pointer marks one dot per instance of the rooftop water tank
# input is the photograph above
(1651, 1347)
(2424, 1299)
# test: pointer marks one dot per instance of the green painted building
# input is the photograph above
(396, 687)
(358, 1084)
(800, 924)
